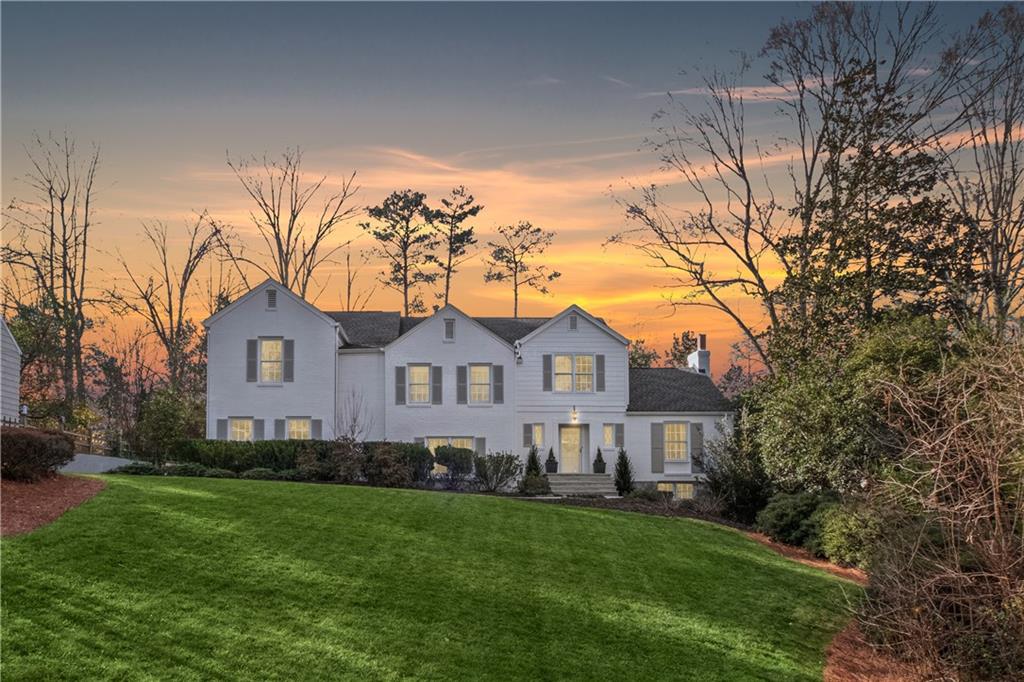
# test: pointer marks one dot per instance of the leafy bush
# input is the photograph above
(166, 417)
(186, 469)
(533, 484)
(415, 456)
(291, 475)
(533, 463)
(220, 473)
(624, 482)
(142, 469)
(647, 493)
(848, 534)
(497, 470)
(736, 476)
(457, 461)
(349, 457)
(260, 474)
(240, 456)
(30, 454)
(791, 519)
(313, 463)
(385, 468)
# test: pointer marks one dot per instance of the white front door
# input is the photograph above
(571, 450)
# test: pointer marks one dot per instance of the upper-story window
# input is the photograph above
(271, 361)
(271, 298)
(574, 373)
(479, 383)
(449, 329)
(419, 383)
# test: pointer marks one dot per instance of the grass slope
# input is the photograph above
(162, 578)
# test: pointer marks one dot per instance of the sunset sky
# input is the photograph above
(539, 110)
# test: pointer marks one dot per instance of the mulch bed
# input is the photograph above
(27, 506)
(802, 556)
(850, 658)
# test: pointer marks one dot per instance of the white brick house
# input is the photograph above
(281, 368)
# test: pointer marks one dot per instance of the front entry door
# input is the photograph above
(571, 449)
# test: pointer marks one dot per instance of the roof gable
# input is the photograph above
(281, 289)
(596, 321)
(409, 325)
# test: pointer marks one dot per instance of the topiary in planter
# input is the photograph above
(599, 463)
(551, 464)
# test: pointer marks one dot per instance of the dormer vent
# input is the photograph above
(271, 298)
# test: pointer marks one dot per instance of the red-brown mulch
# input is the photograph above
(27, 506)
(849, 658)
(804, 557)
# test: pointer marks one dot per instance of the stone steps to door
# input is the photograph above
(581, 484)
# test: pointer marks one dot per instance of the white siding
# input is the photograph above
(472, 344)
(361, 392)
(313, 392)
(10, 373)
(638, 443)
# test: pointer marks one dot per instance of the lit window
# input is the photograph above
(434, 442)
(419, 383)
(240, 429)
(538, 434)
(675, 441)
(563, 373)
(664, 487)
(479, 383)
(609, 435)
(684, 491)
(584, 373)
(271, 359)
(449, 329)
(299, 428)
(271, 298)
(463, 442)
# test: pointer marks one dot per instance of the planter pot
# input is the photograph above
(551, 466)
(599, 467)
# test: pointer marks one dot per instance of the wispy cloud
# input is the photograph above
(617, 81)
(545, 80)
(750, 93)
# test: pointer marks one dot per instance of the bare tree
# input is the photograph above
(510, 259)
(456, 237)
(986, 166)
(354, 300)
(163, 297)
(296, 232)
(50, 249)
(356, 417)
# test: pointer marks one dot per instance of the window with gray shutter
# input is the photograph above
(657, 448)
(436, 386)
(620, 435)
(257, 429)
(317, 429)
(419, 441)
(279, 429)
(461, 372)
(546, 368)
(498, 379)
(222, 429)
(599, 366)
(289, 359)
(527, 435)
(399, 385)
(251, 365)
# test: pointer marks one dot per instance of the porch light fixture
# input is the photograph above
(574, 415)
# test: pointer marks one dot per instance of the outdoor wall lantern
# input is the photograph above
(574, 415)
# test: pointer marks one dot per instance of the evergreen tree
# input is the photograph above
(623, 473)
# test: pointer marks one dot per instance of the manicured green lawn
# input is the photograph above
(161, 578)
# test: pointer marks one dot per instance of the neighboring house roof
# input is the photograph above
(667, 389)
(376, 328)
(6, 331)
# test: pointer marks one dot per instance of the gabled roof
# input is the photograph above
(376, 328)
(667, 389)
(260, 287)
(596, 321)
(6, 331)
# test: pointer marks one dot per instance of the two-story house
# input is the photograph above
(280, 368)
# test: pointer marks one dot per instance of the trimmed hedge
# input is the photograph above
(415, 456)
(795, 519)
(30, 454)
(139, 469)
(239, 456)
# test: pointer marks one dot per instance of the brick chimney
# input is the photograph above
(700, 360)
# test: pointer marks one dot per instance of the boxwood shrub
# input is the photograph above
(795, 519)
(29, 454)
(237, 456)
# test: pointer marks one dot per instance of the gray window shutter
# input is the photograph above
(527, 435)
(460, 384)
(419, 441)
(289, 359)
(400, 385)
(481, 446)
(599, 366)
(436, 388)
(251, 348)
(547, 372)
(657, 448)
(279, 429)
(620, 435)
(222, 429)
(498, 379)
(316, 430)
(257, 429)
(697, 444)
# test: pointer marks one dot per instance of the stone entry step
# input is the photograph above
(582, 484)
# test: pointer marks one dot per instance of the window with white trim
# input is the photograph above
(419, 384)
(240, 428)
(574, 373)
(300, 428)
(449, 329)
(680, 491)
(479, 384)
(271, 361)
(675, 441)
(609, 435)
(538, 434)
(584, 373)
(563, 373)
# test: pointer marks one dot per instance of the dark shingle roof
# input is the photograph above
(666, 389)
(375, 328)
